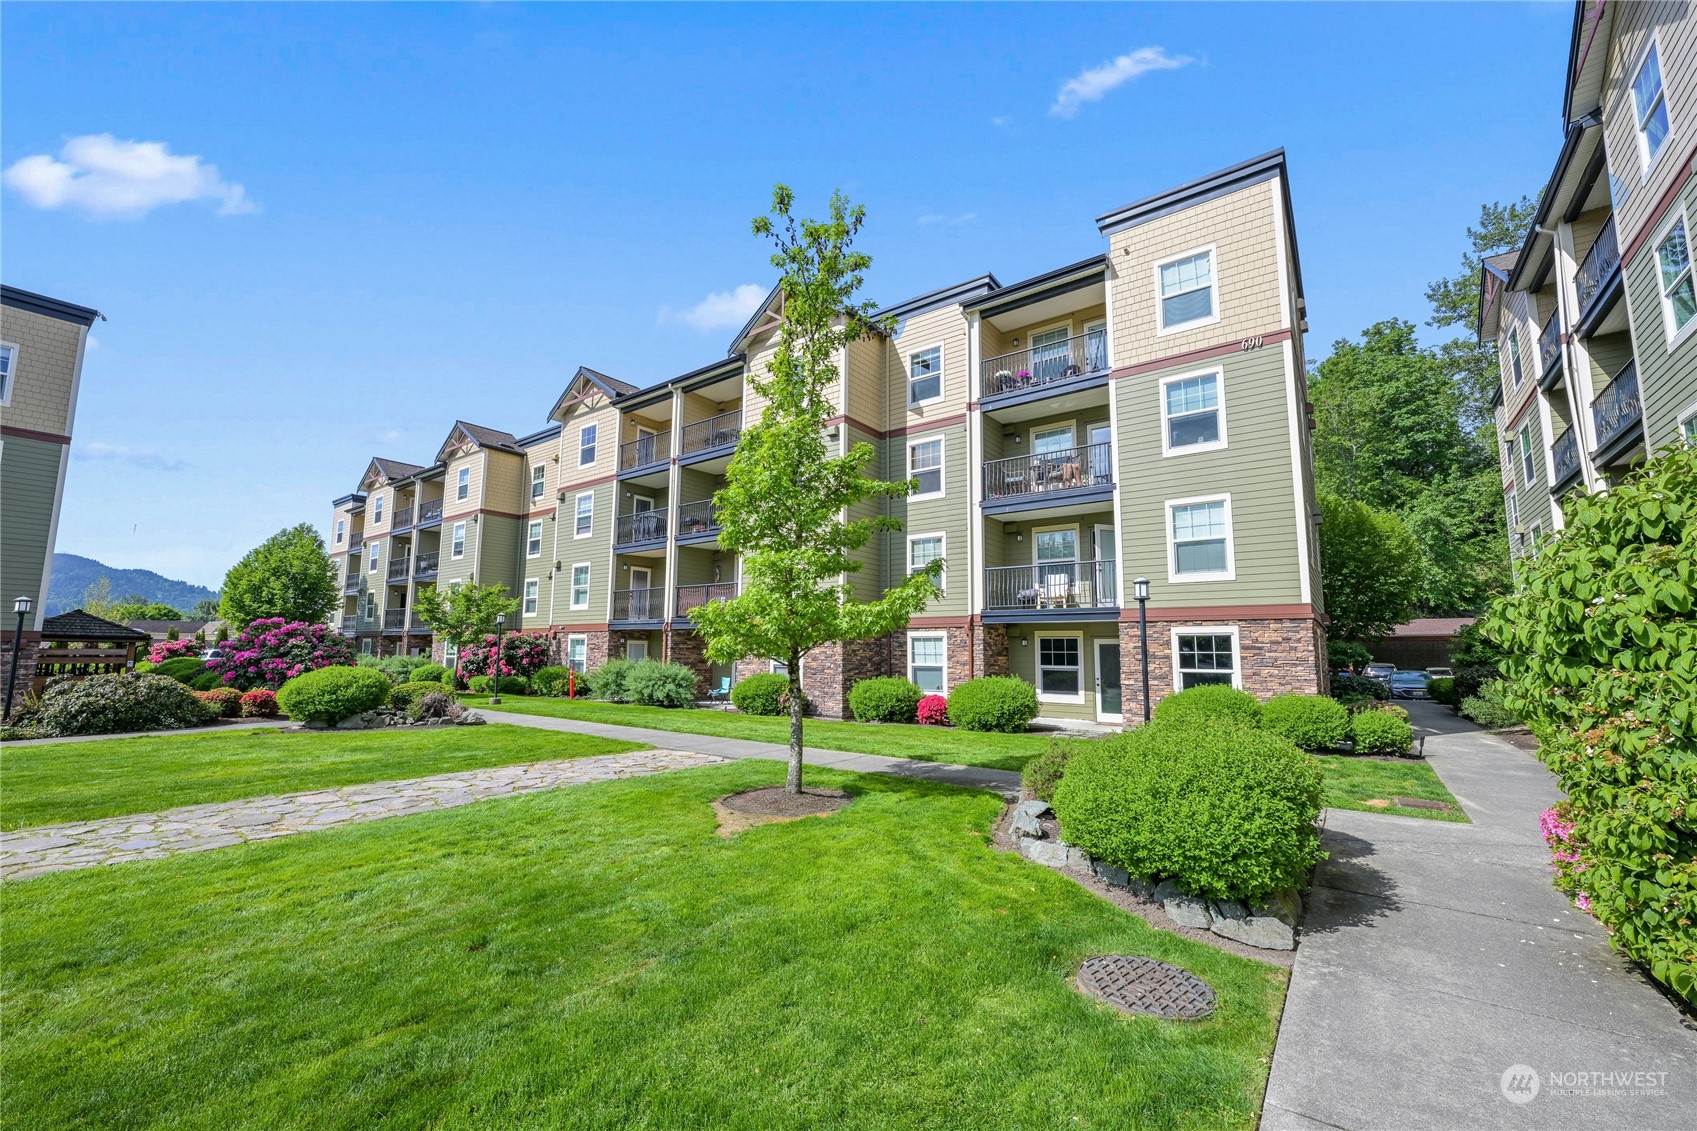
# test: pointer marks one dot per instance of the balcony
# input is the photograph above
(1053, 591)
(403, 519)
(425, 565)
(400, 569)
(697, 520)
(639, 528)
(692, 597)
(1597, 281)
(1068, 475)
(1617, 411)
(1049, 364)
(416, 627)
(1549, 351)
(1564, 454)
(645, 451)
(639, 604)
(430, 512)
(711, 435)
(394, 620)
(350, 583)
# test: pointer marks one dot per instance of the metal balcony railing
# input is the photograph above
(643, 526)
(697, 518)
(1052, 585)
(1089, 466)
(400, 568)
(645, 450)
(1564, 454)
(1045, 364)
(430, 511)
(638, 604)
(1618, 407)
(1549, 346)
(403, 518)
(714, 432)
(350, 583)
(692, 597)
(393, 619)
(415, 625)
(425, 565)
(1600, 263)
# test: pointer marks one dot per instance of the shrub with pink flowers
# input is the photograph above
(268, 653)
(227, 701)
(934, 711)
(522, 654)
(1558, 826)
(170, 649)
(260, 703)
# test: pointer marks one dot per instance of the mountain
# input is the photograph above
(73, 574)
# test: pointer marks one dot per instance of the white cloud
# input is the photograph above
(99, 175)
(720, 310)
(950, 221)
(1093, 85)
(998, 121)
(135, 457)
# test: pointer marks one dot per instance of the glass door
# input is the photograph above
(1057, 566)
(1109, 708)
(1096, 347)
(1049, 354)
(644, 529)
(1105, 574)
(1099, 459)
(640, 579)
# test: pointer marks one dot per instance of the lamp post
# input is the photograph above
(495, 662)
(1140, 590)
(21, 606)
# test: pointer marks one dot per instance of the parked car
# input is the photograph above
(212, 653)
(1409, 685)
(1440, 673)
(1380, 672)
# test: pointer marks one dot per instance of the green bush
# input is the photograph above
(1442, 690)
(1211, 702)
(431, 673)
(1224, 811)
(550, 680)
(1490, 708)
(995, 703)
(510, 685)
(332, 694)
(1381, 732)
(655, 684)
(112, 704)
(761, 694)
(1358, 687)
(1313, 722)
(885, 699)
(404, 695)
(607, 682)
(227, 701)
(1469, 681)
(367, 660)
(400, 668)
(142, 667)
(183, 669)
(206, 681)
(1043, 773)
(1347, 654)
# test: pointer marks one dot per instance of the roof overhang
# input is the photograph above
(1053, 291)
(771, 306)
(959, 293)
(51, 307)
(1587, 58)
(1576, 185)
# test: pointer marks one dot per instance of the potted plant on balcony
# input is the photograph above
(1002, 378)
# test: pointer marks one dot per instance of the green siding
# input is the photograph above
(594, 549)
(1022, 662)
(1667, 380)
(29, 479)
(951, 515)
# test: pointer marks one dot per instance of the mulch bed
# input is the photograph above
(773, 804)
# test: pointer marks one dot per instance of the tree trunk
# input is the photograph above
(792, 784)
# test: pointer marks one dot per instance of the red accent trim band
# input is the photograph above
(32, 434)
(905, 430)
(1206, 353)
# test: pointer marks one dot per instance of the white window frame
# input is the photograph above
(533, 538)
(588, 582)
(942, 361)
(10, 379)
(1526, 450)
(1161, 327)
(1677, 217)
(941, 440)
(1648, 161)
(1688, 424)
(1219, 376)
(578, 515)
(1516, 365)
(532, 596)
(341, 528)
(371, 560)
(942, 538)
(1037, 665)
(1511, 511)
(377, 510)
(593, 434)
(1209, 630)
(574, 641)
(1071, 427)
(538, 481)
(462, 484)
(456, 541)
(943, 639)
(1174, 577)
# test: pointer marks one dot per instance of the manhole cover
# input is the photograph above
(1142, 985)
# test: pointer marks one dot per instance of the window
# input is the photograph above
(340, 526)
(585, 517)
(1194, 416)
(925, 375)
(1679, 289)
(1204, 657)
(533, 541)
(450, 656)
(1652, 108)
(925, 661)
(377, 510)
(459, 540)
(925, 463)
(1526, 451)
(922, 550)
(368, 606)
(1514, 356)
(580, 585)
(1688, 426)
(538, 482)
(1187, 290)
(531, 589)
(1201, 539)
(8, 367)
(462, 485)
(371, 566)
(1511, 510)
(1059, 668)
(365, 646)
(1537, 538)
(577, 653)
(586, 445)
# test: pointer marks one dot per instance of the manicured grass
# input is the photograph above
(595, 957)
(927, 744)
(1351, 782)
(78, 781)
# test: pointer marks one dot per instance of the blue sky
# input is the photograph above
(399, 215)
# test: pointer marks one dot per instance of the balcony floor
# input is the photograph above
(1050, 504)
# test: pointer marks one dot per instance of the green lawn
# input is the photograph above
(927, 744)
(78, 781)
(1351, 782)
(596, 957)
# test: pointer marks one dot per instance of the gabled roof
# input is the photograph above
(748, 327)
(611, 386)
(1587, 58)
(84, 626)
(1494, 273)
(382, 470)
(492, 438)
(51, 307)
(943, 296)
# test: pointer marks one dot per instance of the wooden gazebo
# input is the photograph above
(80, 644)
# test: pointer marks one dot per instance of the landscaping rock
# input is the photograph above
(363, 721)
(1055, 854)
(1035, 808)
(470, 719)
(1261, 931)
(1284, 905)
(1227, 909)
(1166, 890)
(1188, 911)
(1141, 887)
(1024, 824)
(1111, 874)
(317, 724)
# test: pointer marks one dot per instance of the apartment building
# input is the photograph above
(1595, 315)
(1139, 414)
(42, 342)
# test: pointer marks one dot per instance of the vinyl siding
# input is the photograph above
(945, 327)
(864, 367)
(1667, 380)
(1676, 33)
(46, 370)
(951, 515)
(596, 550)
(29, 478)
(1022, 662)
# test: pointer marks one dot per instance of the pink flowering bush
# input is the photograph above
(1558, 826)
(521, 655)
(227, 701)
(934, 711)
(170, 649)
(270, 652)
(260, 703)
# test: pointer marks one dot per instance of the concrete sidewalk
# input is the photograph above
(1437, 956)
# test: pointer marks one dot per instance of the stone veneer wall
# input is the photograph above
(1276, 656)
(29, 644)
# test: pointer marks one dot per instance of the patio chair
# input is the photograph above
(722, 693)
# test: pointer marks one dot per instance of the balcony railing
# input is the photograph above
(1052, 585)
(643, 526)
(394, 619)
(697, 518)
(645, 450)
(1564, 454)
(1045, 364)
(425, 565)
(1600, 263)
(692, 597)
(1064, 470)
(400, 568)
(403, 518)
(350, 583)
(1549, 345)
(417, 626)
(714, 432)
(1617, 407)
(638, 604)
(430, 511)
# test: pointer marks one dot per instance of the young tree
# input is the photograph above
(137, 608)
(787, 502)
(1370, 569)
(97, 600)
(288, 576)
(205, 609)
(463, 613)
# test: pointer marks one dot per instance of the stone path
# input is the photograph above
(1436, 957)
(198, 828)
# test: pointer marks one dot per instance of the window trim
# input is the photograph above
(456, 541)
(588, 584)
(942, 369)
(1677, 217)
(1687, 416)
(1037, 665)
(573, 639)
(341, 529)
(594, 430)
(1516, 366)
(1174, 577)
(941, 439)
(371, 560)
(462, 483)
(1511, 511)
(538, 482)
(1526, 450)
(942, 538)
(1209, 630)
(536, 525)
(1219, 375)
(531, 596)
(1647, 162)
(377, 510)
(929, 634)
(11, 379)
(1161, 327)
(577, 515)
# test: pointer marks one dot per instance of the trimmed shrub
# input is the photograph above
(367, 660)
(431, 673)
(607, 682)
(762, 694)
(1358, 687)
(1381, 732)
(1470, 681)
(1043, 773)
(1490, 708)
(260, 703)
(111, 704)
(551, 680)
(999, 703)
(1224, 811)
(1209, 703)
(1442, 690)
(885, 699)
(227, 701)
(207, 681)
(404, 695)
(655, 684)
(933, 711)
(1313, 722)
(332, 694)
(510, 685)
(183, 669)
(142, 667)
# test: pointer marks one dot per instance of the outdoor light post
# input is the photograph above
(21, 606)
(495, 664)
(1140, 589)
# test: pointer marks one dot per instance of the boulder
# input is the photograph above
(1261, 931)
(1227, 909)
(1024, 824)
(1166, 890)
(1111, 874)
(362, 721)
(1188, 911)
(1055, 854)
(1285, 905)
(1036, 808)
(470, 719)
(1141, 887)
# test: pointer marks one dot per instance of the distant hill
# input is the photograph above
(73, 574)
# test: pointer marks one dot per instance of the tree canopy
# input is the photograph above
(1372, 569)
(135, 608)
(460, 614)
(289, 575)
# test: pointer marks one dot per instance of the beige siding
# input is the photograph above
(29, 479)
(945, 327)
(864, 368)
(46, 370)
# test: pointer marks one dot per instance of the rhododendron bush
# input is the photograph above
(521, 655)
(270, 652)
(170, 649)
